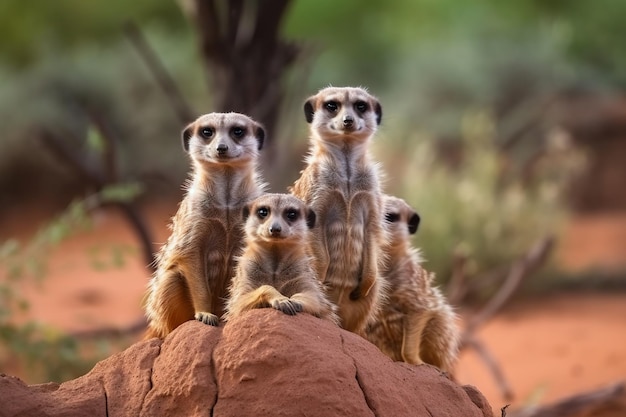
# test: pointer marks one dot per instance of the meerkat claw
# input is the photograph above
(287, 306)
(207, 318)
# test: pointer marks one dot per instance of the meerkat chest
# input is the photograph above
(349, 219)
(347, 193)
(348, 178)
(214, 230)
(271, 269)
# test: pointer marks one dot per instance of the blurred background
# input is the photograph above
(504, 126)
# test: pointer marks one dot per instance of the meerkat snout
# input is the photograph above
(221, 148)
(348, 121)
(275, 229)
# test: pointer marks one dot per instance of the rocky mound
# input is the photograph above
(263, 363)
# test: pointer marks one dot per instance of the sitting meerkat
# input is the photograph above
(415, 323)
(195, 266)
(275, 269)
(341, 184)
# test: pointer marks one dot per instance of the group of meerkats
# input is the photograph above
(335, 247)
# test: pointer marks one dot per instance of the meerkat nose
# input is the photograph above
(222, 148)
(275, 229)
(348, 121)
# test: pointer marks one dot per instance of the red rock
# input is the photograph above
(263, 363)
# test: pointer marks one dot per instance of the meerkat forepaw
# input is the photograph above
(287, 306)
(207, 318)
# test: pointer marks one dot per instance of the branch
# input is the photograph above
(99, 180)
(141, 230)
(71, 158)
(492, 365)
(457, 286)
(111, 332)
(235, 11)
(519, 271)
(579, 405)
(109, 155)
(208, 24)
(183, 110)
(267, 24)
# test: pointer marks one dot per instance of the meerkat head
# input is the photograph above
(278, 218)
(343, 111)
(401, 219)
(223, 138)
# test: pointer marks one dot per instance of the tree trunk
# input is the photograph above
(245, 58)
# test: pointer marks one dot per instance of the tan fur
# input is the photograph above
(196, 264)
(341, 184)
(275, 269)
(415, 323)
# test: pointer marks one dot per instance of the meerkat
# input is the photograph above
(415, 323)
(195, 266)
(275, 269)
(341, 183)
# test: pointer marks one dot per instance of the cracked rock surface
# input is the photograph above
(262, 363)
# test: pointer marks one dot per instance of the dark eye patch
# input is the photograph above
(291, 214)
(331, 106)
(207, 132)
(392, 217)
(262, 212)
(237, 132)
(361, 106)
(414, 223)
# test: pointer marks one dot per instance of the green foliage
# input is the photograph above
(20, 262)
(476, 207)
(29, 28)
(44, 353)
(113, 82)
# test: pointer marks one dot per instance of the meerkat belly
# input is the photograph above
(345, 236)
(220, 245)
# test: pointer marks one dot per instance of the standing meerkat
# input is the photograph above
(275, 269)
(195, 266)
(415, 323)
(341, 184)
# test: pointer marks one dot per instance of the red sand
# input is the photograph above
(547, 348)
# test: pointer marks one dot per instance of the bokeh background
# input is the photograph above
(504, 126)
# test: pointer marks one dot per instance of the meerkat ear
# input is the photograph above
(414, 223)
(186, 136)
(245, 212)
(379, 112)
(309, 109)
(310, 218)
(260, 136)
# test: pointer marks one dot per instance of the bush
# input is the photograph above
(40, 352)
(475, 206)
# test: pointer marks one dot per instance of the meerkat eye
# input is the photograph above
(331, 106)
(291, 214)
(237, 132)
(392, 217)
(206, 132)
(262, 212)
(360, 106)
